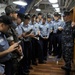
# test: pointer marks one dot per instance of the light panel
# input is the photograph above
(57, 9)
(53, 1)
(20, 3)
(38, 9)
(55, 5)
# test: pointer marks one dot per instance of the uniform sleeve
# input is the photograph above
(73, 29)
(10, 36)
(62, 24)
(2, 69)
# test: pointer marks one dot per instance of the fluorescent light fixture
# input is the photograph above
(38, 9)
(53, 1)
(57, 9)
(55, 5)
(23, 3)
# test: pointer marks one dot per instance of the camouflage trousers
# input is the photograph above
(67, 52)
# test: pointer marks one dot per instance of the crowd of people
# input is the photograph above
(27, 40)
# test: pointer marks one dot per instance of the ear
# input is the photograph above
(11, 14)
(1, 24)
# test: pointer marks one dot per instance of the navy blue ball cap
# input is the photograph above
(56, 14)
(66, 13)
(10, 9)
(49, 16)
(40, 13)
(21, 16)
(27, 17)
(6, 20)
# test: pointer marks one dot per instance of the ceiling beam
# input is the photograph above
(30, 6)
(69, 3)
(47, 11)
(45, 2)
(38, 3)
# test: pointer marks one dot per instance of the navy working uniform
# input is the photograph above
(67, 43)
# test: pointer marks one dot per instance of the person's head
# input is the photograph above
(33, 18)
(56, 16)
(40, 16)
(5, 23)
(37, 19)
(66, 16)
(44, 20)
(26, 19)
(11, 11)
(20, 18)
(49, 18)
(59, 16)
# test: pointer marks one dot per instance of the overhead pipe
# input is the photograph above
(66, 3)
(69, 3)
(37, 3)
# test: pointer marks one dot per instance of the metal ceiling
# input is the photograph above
(44, 5)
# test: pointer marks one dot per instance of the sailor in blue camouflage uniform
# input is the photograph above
(67, 42)
(44, 35)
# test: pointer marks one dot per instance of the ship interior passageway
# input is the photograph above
(37, 37)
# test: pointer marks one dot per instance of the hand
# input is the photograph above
(60, 28)
(45, 38)
(51, 31)
(13, 47)
(32, 35)
(23, 34)
(19, 50)
(38, 32)
(20, 36)
(11, 43)
(73, 24)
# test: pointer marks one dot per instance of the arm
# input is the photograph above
(48, 33)
(61, 27)
(73, 29)
(9, 50)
